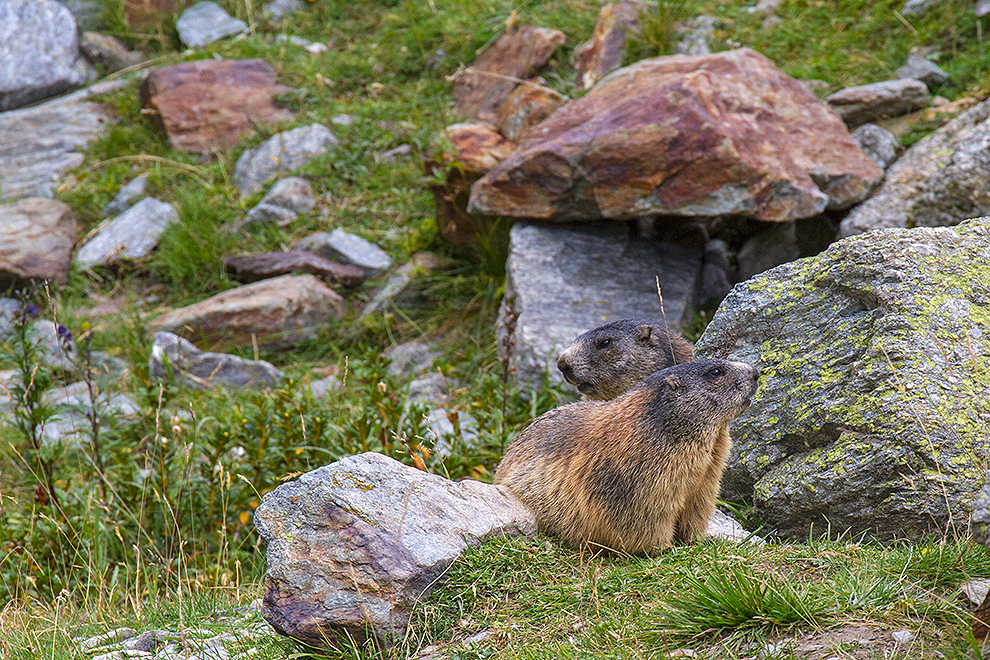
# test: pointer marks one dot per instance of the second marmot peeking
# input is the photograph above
(638, 472)
(605, 362)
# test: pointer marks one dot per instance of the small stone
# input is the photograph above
(431, 389)
(174, 358)
(132, 235)
(877, 143)
(281, 153)
(411, 358)
(321, 389)
(107, 51)
(890, 98)
(903, 637)
(267, 214)
(342, 120)
(126, 196)
(111, 637)
(349, 249)
(282, 8)
(204, 23)
(421, 263)
(294, 193)
(919, 68)
(975, 591)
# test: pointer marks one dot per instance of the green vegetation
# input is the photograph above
(148, 522)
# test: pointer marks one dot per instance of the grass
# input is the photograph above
(155, 528)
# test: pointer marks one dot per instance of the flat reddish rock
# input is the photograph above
(481, 89)
(263, 266)
(721, 134)
(277, 312)
(210, 105)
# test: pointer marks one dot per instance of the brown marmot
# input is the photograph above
(635, 473)
(605, 362)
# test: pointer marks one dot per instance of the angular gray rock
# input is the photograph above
(205, 22)
(918, 6)
(107, 51)
(941, 180)
(890, 98)
(877, 143)
(774, 244)
(131, 235)
(282, 203)
(39, 52)
(127, 195)
(347, 248)
(421, 263)
(8, 311)
(70, 425)
(919, 68)
(411, 358)
(873, 401)
(39, 144)
(174, 358)
(281, 153)
(37, 239)
(562, 280)
(354, 546)
(281, 8)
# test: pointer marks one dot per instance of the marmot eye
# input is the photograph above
(715, 371)
(603, 343)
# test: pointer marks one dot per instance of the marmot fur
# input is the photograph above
(638, 472)
(605, 362)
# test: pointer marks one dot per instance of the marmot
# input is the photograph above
(635, 473)
(605, 362)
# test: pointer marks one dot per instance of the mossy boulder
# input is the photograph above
(875, 399)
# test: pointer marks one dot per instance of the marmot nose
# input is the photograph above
(563, 366)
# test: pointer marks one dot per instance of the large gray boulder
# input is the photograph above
(353, 546)
(939, 181)
(39, 52)
(874, 400)
(563, 280)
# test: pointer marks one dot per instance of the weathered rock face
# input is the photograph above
(39, 144)
(529, 104)
(940, 180)
(875, 393)
(355, 545)
(607, 46)
(858, 105)
(39, 52)
(276, 312)
(209, 105)
(710, 135)
(480, 90)
(131, 235)
(174, 358)
(37, 238)
(563, 280)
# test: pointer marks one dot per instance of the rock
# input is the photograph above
(147, 15)
(661, 137)
(392, 155)
(107, 51)
(606, 48)
(278, 312)
(717, 273)
(55, 347)
(529, 104)
(174, 358)
(871, 398)
(412, 358)
(263, 266)
(902, 637)
(111, 637)
(204, 23)
(321, 388)
(866, 103)
(919, 68)
(980, 519)
(940, 180)
(481, 89)
(975, 591)
(88, 14)
(562, 280)
(39, 52)
(877, 143)
(9, 308)
(983, 8)
(127, 195)
(477, 148)
(696, 39)
(349, 249)
(70, 424)
(421, 263)
(445, 430)
(723, 526)
(354, 546)
(773, 245)
(39, 144)
(208, 106)
(38, 235)
(281, 153)
(917, 6)
(131, 235)
(282, 203)
(278, 9)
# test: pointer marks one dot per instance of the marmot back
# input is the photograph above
(605, 362)
(635, 473)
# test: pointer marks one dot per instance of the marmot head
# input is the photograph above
(605, 362)
(698, 397)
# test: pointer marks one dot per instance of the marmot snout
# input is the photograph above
(605, 362)
(638, 472)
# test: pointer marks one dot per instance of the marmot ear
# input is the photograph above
(643, 333)
(672, 382)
